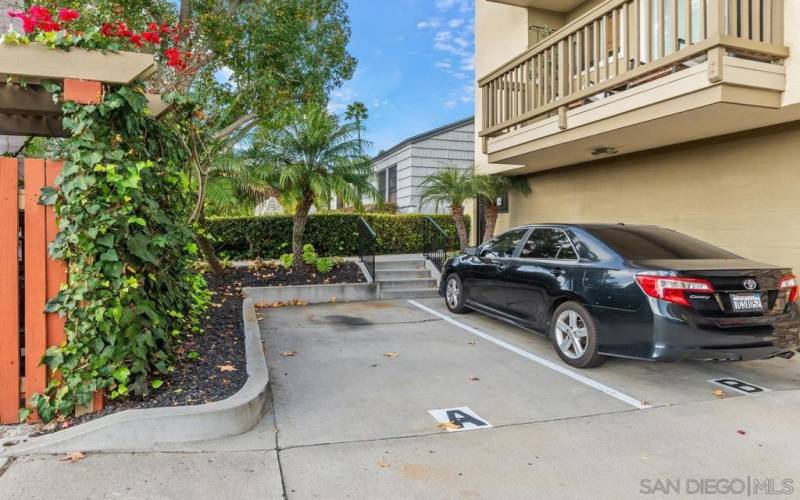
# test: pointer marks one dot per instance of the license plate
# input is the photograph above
(746, 302)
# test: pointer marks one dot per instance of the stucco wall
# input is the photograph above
(739, 192)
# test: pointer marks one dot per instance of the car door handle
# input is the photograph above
(557, 272)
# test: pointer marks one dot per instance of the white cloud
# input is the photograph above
(455, 23)
(340, 99)
(443, 65)
(430, 23)
(450, 104)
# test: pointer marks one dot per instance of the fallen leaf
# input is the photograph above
(391, 354)
(73, 457)
(741, 432)
(474, 379)
(471, 342)
(448, 426)
(333, 299)
(288, 354)
(226, 368)
(719, 393)
(383, 464)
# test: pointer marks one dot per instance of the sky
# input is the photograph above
(415, 66)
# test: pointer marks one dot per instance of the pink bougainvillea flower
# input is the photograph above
(152, 27)
(165, 28)
(68, 15)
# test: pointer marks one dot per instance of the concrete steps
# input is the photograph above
(404, 277)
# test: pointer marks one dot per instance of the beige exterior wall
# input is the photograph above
(738, 192)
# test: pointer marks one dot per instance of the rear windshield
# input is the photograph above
(651, 243)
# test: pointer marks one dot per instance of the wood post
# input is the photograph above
(9, 290)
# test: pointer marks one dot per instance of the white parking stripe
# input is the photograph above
(542, 361)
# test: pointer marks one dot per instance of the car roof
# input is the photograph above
(582, 226)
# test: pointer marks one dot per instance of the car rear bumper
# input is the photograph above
(699, 338)
(675, 337)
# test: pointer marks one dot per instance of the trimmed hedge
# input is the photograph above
(336, 234)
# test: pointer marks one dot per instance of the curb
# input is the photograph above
(140, 430)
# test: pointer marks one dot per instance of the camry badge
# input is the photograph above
(750, 284)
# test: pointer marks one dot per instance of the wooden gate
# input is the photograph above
(28, 279)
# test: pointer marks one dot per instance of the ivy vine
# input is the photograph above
(132, 291)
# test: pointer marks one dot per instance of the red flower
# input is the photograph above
(165, 28)
(122, 30)
(175, 59)
(107, 29)
(136, 40)
(151, 37)
(67, 15)
(152, 27)
(48, 25)
(40, 13)
(28, 23)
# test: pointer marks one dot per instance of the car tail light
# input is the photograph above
(790, 284)
(672, 288)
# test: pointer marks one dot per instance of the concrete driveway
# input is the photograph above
(353, 387)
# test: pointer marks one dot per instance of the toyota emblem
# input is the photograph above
(750, 284)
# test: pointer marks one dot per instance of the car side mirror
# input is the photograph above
(471, 251)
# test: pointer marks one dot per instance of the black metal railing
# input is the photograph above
(367, 243)
(435, 243)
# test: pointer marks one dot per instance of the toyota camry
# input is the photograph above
(642, 292)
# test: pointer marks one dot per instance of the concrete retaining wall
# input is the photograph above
(315, 294)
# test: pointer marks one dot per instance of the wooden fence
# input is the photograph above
(28, 279)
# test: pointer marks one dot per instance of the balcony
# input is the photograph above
(632, 75)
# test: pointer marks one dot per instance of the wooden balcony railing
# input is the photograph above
(621, 44)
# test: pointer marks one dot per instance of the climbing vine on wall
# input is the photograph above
(121, 203)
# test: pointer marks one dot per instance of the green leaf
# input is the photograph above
(137, 245)
(121, 374)
(109, 255)
(155, 384)
(24, 413)
(49, 196)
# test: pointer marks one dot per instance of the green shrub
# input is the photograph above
(269, 237)
(310, 257)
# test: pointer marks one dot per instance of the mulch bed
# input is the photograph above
(211, 365)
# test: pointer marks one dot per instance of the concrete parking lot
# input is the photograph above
(354, 418)
(353, 386)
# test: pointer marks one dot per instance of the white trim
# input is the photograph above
(625, 398)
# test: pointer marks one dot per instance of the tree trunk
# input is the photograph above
(299, 229)
(207, 248)
(489, 219)
(461, 227)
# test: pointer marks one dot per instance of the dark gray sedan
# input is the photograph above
(638, 292)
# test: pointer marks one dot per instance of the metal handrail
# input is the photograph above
(367, 243)
(435, 243)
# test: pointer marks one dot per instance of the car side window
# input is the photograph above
(504, 245)
(547, 243)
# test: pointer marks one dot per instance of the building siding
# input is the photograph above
(416, 160)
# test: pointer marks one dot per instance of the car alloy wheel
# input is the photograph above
(453, 293)
(572, 335)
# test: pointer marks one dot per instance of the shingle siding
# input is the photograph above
(417, 160)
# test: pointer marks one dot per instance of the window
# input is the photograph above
(502, 203)
(392, 198)
(546, 243)
(642, 243)
(504, 245)
(382, 184)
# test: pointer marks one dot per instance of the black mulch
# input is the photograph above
(211, 365)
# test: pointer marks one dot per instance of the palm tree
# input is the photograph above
(488, 188)
(452, 186)
(357, 112)
(312, 159)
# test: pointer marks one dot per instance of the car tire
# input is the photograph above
(574, 336)
(454, 294)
